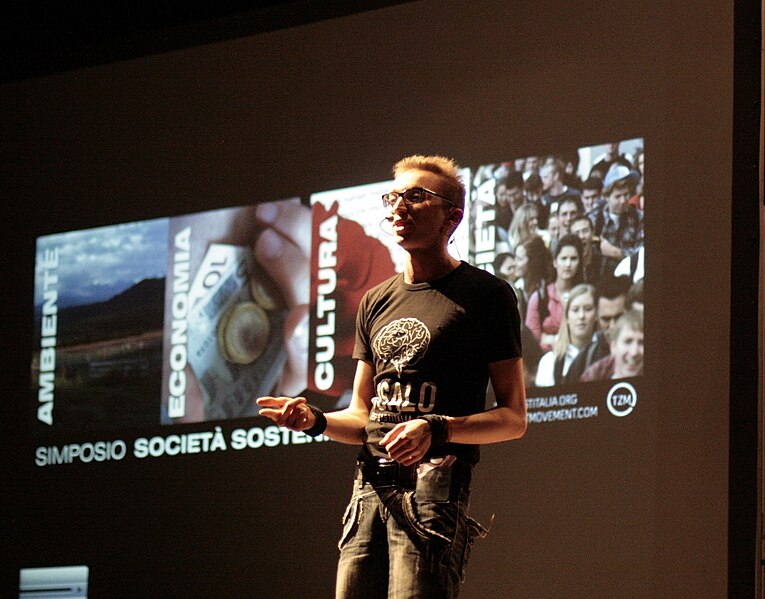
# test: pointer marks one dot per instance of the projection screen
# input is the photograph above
(145, 253)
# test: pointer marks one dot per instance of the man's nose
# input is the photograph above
(398, 206)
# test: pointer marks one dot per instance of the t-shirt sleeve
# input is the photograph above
(362, 349)
(502, 325)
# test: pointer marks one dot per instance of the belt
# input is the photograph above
(387, 473)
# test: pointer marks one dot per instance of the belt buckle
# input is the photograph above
(386, 472)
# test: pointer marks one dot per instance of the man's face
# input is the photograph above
(582, 228)
(617, 200)
(503, 196)
(424, 225)
(548, 176)
(532, 164)
(566, 213)
(627, 350)
(553, 227)
(609, 310)
(589, 198)
(516, 196)
(509, 196)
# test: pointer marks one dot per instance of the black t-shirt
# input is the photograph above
(430, 345)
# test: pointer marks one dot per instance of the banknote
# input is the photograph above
(236, 332)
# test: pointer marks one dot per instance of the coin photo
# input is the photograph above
(243, 332)
(264, 290)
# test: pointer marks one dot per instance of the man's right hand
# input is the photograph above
(290, 412)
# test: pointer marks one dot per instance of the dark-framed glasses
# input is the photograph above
(413, 195)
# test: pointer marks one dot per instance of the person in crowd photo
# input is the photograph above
(545, 307)
(509, 193)
(592, 259)
(626, 350)
(555, 190)
(504, 266)
(532, 189)
(618, 224)
(638, 164)
(553, 231)
(570, 161)
(575, 334)
(524, 226)
(531, 166)
(592, 198)
(568, 209)
(533, 269)
(610, 301)
(610, 157)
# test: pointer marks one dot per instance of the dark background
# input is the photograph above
(41, 37)
(110, 116)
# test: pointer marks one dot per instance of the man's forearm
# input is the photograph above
(493, 426)
(346, 426)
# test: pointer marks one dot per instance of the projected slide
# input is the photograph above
(188, 319)
(99, 320)
(353, 249)
(566, 231)
(224, 319)
(161, 321)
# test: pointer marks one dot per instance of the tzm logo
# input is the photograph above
(622, 399)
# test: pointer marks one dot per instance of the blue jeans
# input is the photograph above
(407, 543)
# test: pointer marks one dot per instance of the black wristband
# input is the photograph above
(320, 425)
(439, 429)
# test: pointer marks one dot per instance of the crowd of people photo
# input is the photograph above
(570, 241)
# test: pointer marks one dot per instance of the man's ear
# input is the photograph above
(453, 219)
(455, 216)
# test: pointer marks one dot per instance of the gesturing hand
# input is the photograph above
(408, 442)
(290, 412)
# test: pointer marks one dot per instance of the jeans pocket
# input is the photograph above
(430, 520)
(435, 484)
(351, 519)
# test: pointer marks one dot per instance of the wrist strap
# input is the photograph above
(440, 429)
(320, 425)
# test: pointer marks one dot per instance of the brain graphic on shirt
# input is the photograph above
(403, 341)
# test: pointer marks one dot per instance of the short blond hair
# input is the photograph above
(444, 167)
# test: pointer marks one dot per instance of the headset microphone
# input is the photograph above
(389, 219)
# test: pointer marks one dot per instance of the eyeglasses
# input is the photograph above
(413, 195)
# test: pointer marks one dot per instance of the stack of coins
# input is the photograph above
(243, 330)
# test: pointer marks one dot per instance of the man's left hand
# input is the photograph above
(408, 442)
